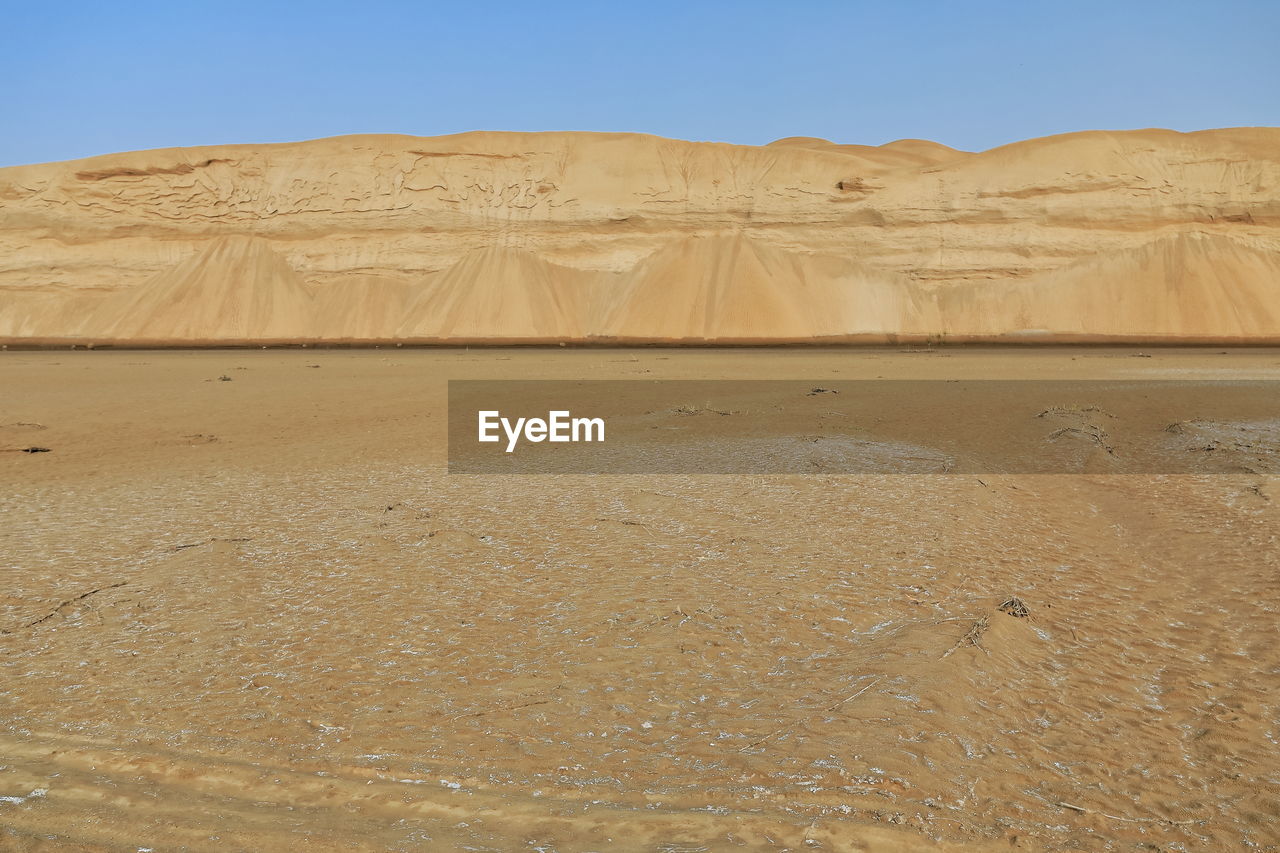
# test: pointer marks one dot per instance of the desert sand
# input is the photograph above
(1138, 236)
(257, 614)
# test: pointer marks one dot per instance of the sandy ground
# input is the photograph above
(257, 615)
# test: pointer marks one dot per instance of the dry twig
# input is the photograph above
(972, 636)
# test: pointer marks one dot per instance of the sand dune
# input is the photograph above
(712, 288)
(500, 293)
(361, 307)
(236, 289)
(888, 157)
(730, 287)
(578, 236)
(1191, 285)
(1200, 285)
(33, 314)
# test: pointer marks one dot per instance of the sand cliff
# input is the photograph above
(580, 236)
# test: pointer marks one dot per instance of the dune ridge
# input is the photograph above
(586, 237)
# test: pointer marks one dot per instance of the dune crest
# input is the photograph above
(1132, 235)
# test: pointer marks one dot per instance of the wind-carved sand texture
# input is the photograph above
(256, 614)
(1145, 235)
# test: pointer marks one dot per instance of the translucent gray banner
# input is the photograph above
(863, 427)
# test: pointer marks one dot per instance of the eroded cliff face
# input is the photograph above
(570, 236)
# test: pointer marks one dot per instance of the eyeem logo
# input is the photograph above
(559, 426)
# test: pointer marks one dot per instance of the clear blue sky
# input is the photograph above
(83, 78)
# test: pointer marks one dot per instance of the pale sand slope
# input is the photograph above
(362, 307)
(735, 288)
(501, 293)
(1195, 282)
(237, 286)
(259, 615)
(388, 232)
